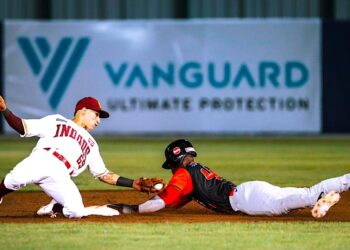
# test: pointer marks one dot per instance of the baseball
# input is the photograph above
(158, 186)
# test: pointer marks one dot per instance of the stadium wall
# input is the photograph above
(330, 115)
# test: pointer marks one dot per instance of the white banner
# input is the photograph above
(198, 76)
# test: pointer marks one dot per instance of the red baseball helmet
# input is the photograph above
(93, 104)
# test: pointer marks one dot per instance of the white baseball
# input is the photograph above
(158, 186)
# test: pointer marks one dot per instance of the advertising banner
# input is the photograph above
(197, 76)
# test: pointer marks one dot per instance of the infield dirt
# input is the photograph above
(21, 207)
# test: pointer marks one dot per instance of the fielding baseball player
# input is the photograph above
(195, 181)
(64, 150)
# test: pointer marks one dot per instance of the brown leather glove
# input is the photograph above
(151, 185)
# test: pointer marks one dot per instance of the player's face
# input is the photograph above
(188, 158)
(91, 119)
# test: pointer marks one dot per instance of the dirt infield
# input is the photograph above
(21, 206)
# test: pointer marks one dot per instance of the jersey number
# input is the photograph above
(208, 174)
(81, 160)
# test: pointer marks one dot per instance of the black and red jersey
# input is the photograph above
(197, 182)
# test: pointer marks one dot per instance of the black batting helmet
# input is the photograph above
(176, 151)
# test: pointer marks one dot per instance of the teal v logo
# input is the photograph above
(49, 76)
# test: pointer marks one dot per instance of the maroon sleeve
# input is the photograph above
(14, 121)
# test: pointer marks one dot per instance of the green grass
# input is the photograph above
(290, 161)
(200, 236)
(284, 161)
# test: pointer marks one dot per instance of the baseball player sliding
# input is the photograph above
(194, 181)
(64, 150)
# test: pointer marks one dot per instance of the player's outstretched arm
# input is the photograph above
(152, 205)
(14, 121)
(114, 179)
(147, 185)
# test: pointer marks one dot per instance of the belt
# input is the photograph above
(61, 158)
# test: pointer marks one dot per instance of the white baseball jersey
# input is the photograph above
(73, 142)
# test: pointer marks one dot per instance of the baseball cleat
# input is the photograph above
(324, 204)
(47, 210)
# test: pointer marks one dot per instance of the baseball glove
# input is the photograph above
(151, 185)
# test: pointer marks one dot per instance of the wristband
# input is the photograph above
(124, 182)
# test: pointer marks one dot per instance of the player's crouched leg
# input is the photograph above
(79, 212)
(54, 209)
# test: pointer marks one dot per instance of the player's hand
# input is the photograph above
(137, 184)
(3, 106)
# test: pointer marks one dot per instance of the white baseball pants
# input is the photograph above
(262, 198)
(45, 170)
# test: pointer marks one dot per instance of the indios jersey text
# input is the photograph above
(63, 130)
